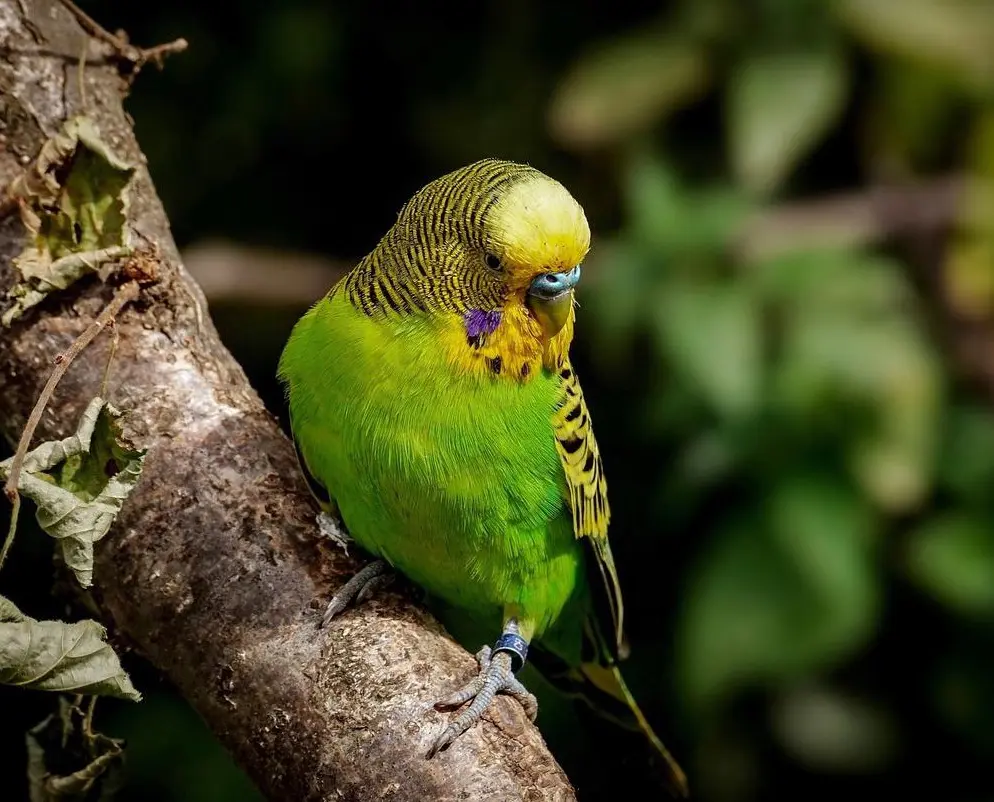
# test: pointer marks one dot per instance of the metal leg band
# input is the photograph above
(514, 645)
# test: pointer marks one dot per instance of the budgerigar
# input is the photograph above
(434, 407)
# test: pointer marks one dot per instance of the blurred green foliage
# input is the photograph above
(800, 475)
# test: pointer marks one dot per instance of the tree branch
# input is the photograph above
(214, 569)
(854, 219)
(231, 273)
(917, 220)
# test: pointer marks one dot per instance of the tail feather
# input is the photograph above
(609, 680)
(603, 689)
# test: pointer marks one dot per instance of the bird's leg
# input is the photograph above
(497, 669)
(360, 587)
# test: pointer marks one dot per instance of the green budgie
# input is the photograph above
(434, 407)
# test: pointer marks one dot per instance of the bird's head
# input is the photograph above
(536, 236)
(494, 234)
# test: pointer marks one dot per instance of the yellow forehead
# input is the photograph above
(537, 225)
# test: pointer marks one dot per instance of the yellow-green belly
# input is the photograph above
(452, 478)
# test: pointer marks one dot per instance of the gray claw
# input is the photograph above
(358, 588)
(374, 585)
(495, 677)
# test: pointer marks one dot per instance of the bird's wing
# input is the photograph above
(321, 493)
(586, 488)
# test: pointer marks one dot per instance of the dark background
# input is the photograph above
(798, 469)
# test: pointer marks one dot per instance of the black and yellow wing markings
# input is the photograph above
(587, 493)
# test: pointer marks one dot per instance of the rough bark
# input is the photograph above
(214, 571)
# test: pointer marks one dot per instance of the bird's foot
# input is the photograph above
(359, 588)
(332, 529)
(496, 676)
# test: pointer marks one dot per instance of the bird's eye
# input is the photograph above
(493, 261)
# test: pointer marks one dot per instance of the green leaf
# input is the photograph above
(80, 484)
(56, 656)
(674, 222)
(614, 298)
(895, 461)
(779, 108)
(625, 87)
(966, 461)
(912, 111)
(713, 335)
(60, 744)
(952, 558)
(656, 203)
(849, 282)
(957, 35)
(849, 334)
(74, 204)
(781, 595)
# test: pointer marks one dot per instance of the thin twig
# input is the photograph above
(126, 293)
(115, 340)
(88, 717)
(9, 540)
(157, 55)
(95, 29)
(137, 56)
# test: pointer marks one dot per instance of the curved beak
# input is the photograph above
(550, 297)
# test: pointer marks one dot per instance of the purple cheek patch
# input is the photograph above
(479, 323)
